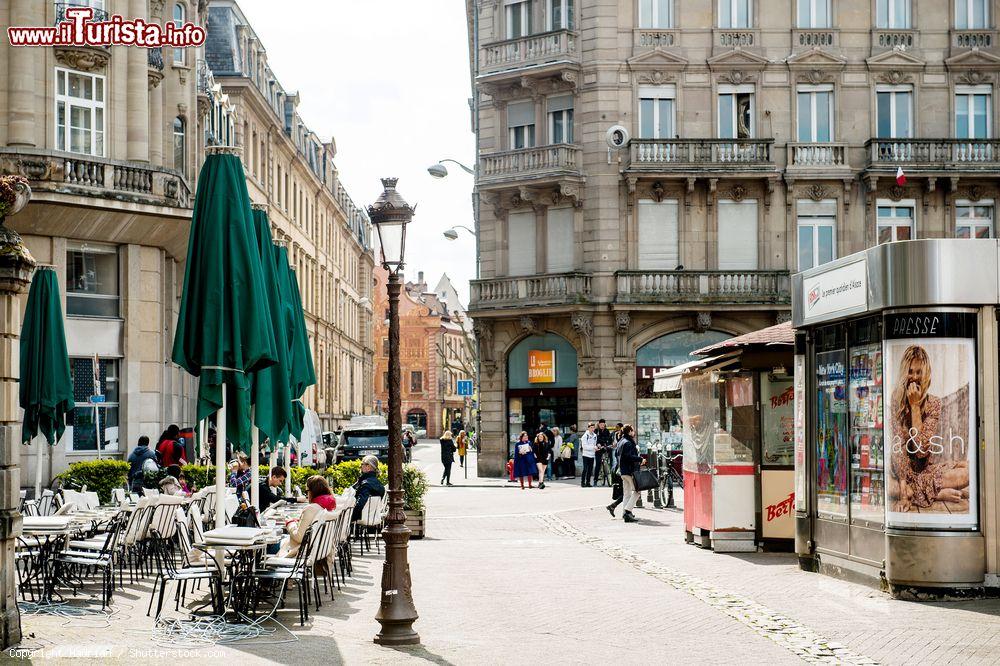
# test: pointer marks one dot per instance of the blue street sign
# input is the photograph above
(464, 387)
(97, 399)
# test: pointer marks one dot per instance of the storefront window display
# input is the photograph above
(831, 425)
(865, 405)
(777, 406)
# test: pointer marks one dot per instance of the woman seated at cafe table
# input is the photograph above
(320, 498)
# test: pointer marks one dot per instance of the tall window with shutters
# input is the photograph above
(561, 119)
(521, 125)
(518, 18)
(521, 246)
(559, 245)
(656, 112)
(657, 237)
(737, 235)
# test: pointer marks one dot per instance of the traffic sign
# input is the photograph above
(464, 387)
(97, 399)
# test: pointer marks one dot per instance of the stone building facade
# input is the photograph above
(111, 140)
(762, 143)
(329, 238)
(435, 355)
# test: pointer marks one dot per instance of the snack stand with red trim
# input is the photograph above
(738, 428)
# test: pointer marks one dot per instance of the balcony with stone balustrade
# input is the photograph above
(541, 54)
(709, 287)
(700, 157)
(530, 166)
(945, 157)
(531, 291)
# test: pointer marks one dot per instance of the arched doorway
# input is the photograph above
(541, 385)
(657, 415)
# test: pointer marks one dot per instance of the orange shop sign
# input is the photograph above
(541, 366)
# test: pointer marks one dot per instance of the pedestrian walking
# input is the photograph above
(525, 464)
(629, 461)
(605, 445)
(588, 449)
(137, 463)
(169, 451)
(462, 444)
(562, 453)
(542, 449)
(447, 456)
(409, 441)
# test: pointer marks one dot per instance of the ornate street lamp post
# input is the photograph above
(390, 214)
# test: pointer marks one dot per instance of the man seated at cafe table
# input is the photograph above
(366, 486)
(271, 489)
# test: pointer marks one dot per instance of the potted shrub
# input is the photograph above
(414, 489)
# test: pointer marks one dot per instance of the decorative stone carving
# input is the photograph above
(583, 324)
(975, 193)
(571, 190)
(815, 77)
(782, 317)
(974, 77)
(622, 322)
(35, 169)
(896, 192)
(737, 77)
(895, 77)
(817, 192)
(589, 366)
(737, 193)
(84, 58)
(154, 78)
(156, 8)
(656, 78)
(703, 322)
(569, 76)
(15, 197)
(657, 191)
(526, 194)
(484, 334)
(621, 368)
(529, 325)
(490, 368)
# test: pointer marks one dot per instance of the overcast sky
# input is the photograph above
(389, 80)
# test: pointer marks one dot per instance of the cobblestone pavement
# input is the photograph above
(507, 576)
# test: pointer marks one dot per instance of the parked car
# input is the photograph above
(419, 433)
(362, 436)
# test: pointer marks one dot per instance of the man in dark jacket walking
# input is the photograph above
(629, 461)
(140, 454)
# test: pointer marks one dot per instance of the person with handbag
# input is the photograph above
(629, 462)
(525, 464)
(543, 451)
(447, 456)
(565, 453)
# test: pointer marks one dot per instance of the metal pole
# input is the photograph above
(220, 464)
(40, 443)
(203, 439)
(396, 611)
(254, 460)
(97, 429)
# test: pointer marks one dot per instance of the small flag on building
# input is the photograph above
(900, 176)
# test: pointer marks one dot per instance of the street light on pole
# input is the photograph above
(452, 234)
(390, 214)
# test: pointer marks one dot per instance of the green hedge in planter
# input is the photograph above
(340, 476)
(100, 476)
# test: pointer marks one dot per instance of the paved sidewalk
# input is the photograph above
(507, 576)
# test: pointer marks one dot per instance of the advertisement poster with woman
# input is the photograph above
(930, 420)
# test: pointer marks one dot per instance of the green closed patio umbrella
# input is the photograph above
(224, 332)
(302, 374)
(46, 388)
(271, 389)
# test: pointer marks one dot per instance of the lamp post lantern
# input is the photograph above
(390, 214)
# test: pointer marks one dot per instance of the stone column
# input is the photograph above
(16, 265)
(21, 74)
(156, 124)
(137, 96)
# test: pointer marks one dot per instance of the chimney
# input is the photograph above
(420, 277)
